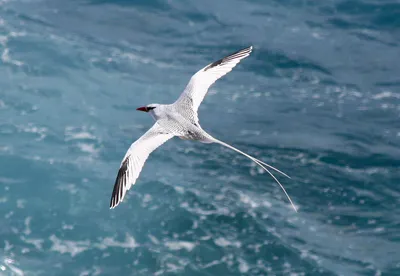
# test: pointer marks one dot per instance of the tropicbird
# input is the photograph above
(180, 119)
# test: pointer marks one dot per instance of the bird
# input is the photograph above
(180, 119)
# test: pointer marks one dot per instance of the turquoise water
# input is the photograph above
(319, 98)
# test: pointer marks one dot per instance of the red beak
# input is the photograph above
(143, 108)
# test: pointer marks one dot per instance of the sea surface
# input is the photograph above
(319, 98)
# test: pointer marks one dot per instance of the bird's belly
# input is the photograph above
(184, 129)
(196, 136)
(191, 135)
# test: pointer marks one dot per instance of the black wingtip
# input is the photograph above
(242, 52)
(116, 197)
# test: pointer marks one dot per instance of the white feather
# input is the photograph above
(134, 159)
(195, 91)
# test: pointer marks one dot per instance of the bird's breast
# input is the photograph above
(172, 125)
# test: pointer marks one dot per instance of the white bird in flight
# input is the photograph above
(180, 119)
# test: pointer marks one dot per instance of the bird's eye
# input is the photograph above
(150, 108)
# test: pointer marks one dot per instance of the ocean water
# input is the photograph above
(319, 98)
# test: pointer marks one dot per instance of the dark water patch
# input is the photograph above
(359, 14)
(388, 83)
(155, 5)
(367, 37)
(383, 15)
(374, 160)
(282, 61)
(30, 18)
(345, 24)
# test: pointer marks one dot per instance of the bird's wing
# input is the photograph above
(134, 160)
(198, 85)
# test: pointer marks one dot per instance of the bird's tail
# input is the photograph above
(263, 166)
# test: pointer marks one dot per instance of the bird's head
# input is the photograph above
(153, 109)
(147, 108)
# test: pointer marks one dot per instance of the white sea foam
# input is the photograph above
(129, 242)
(37, 243)
(75, 133)
(243, 266)
(31, 128)
(27, 223)
(12, 266)
(21, 203)
(178, 245)
(223, 242)
(386, 94)
(199, 211)
(5, 57)
(117, 53)
(95, 271)
(70, 247)
(70, 188)
(88, 148)
(254, 201)
(153, 239)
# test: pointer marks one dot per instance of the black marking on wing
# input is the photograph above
(235, 55)
(119, 184)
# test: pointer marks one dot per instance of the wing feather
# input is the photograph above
(134, 159)
(200, 82)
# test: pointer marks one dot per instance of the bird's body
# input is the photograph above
(171, 119)
(179, 119)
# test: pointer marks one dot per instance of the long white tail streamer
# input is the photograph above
(262, 165)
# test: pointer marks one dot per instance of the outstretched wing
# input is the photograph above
(134, 159)
(200, 82)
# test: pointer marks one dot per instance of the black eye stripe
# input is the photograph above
(150, 108)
